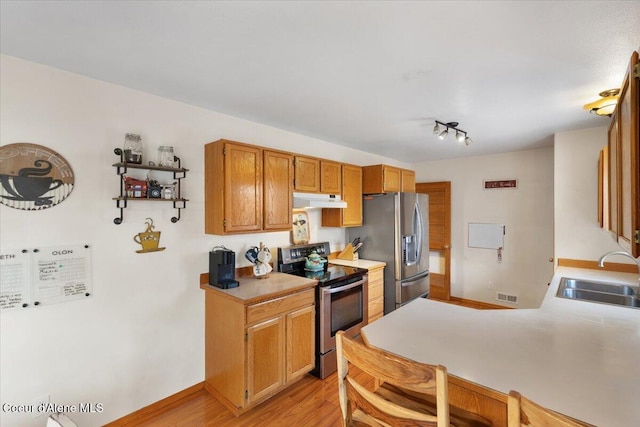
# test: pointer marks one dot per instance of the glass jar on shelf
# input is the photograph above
(133, 148)
(165, 156)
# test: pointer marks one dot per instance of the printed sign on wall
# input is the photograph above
(33, 177)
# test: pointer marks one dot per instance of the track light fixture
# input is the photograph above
(441, 130)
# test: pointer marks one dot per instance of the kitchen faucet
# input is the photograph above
(627, 254)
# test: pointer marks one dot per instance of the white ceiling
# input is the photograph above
(368, 75)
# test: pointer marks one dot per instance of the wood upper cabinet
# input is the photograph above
(278, 189)
(408, 181)
(384, 179)
(307, 174)
(247, 189)
(351, 216)
(624, 152)
(330, 177)
(378, 179)
(233, 188)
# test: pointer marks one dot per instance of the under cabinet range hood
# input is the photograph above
(315, 200)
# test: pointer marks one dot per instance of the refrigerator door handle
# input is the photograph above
(417, 220)
(408, 282)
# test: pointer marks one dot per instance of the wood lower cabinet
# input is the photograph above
(253, 351)
(376, 293)
(351, 216)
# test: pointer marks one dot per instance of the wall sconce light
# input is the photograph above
(606, 105)
(441, 130)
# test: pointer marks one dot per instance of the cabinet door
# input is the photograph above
(613, 170)
(243, 188)
(376, 294)
(391, 179)
(307, 174)
(265, 358)
(330, 177)
(352, 194)
(351, 216)
(629, 198)
(278, 189)
(300, 342)
(408, 181)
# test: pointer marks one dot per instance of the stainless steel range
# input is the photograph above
(341, 299)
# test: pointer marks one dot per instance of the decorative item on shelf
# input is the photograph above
(606, 105)
(149, 239)
(28, 181)
(165, 156)
(154, 189)
(441, 130)
(135, 188)
(169, 191)
(301, 233)
(133, 148)
(260, 257)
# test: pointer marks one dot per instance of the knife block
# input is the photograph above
(348, 253)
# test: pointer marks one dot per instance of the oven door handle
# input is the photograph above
(344, 288)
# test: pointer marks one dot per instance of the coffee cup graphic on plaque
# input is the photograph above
(148, 239)
(31, 184)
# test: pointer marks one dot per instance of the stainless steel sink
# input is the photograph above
(600, 292)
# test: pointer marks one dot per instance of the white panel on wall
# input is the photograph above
(486, 236)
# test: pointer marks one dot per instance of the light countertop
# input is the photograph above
(579, 358)
(359, 263)
(252, 290)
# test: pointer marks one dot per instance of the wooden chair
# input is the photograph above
(395, 402)
(522, 412)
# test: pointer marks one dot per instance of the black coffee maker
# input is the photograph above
(222, 268)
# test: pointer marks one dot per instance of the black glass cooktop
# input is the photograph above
(332, 275)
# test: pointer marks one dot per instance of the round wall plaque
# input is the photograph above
(33, 177)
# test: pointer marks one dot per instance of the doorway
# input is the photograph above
(439, 235)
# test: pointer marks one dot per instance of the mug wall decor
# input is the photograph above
(33, 177)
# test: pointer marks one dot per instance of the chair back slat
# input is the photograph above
(391, 368)
(523, 412)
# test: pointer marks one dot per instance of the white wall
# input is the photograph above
(139, 338)
(527, 213)
(577, 232)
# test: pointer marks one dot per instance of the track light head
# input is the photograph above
(461, 136)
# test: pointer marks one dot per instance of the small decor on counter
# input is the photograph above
(149, 239)
(260, 257)
(314, 262)
(300, 227)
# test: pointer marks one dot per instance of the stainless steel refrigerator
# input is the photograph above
(396, 230)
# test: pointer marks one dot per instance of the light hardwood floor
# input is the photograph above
(311, 402)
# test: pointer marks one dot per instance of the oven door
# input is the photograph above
(342, 308)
